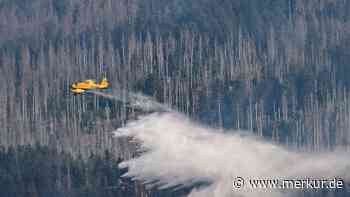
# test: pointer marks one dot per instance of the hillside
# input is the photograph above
(277, 69)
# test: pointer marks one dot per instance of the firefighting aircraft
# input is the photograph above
(89, 84)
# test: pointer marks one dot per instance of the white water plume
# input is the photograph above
(178, 152)
(133, 100)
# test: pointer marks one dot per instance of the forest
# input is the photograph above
(277, 69)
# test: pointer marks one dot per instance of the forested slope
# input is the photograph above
(276, 68)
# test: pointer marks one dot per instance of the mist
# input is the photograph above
(177, 152)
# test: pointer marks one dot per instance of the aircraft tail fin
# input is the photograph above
(104, 83)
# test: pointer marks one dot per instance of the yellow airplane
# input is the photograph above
(89, 84)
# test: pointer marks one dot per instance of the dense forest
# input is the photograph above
(278, 69)
(25, 168)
